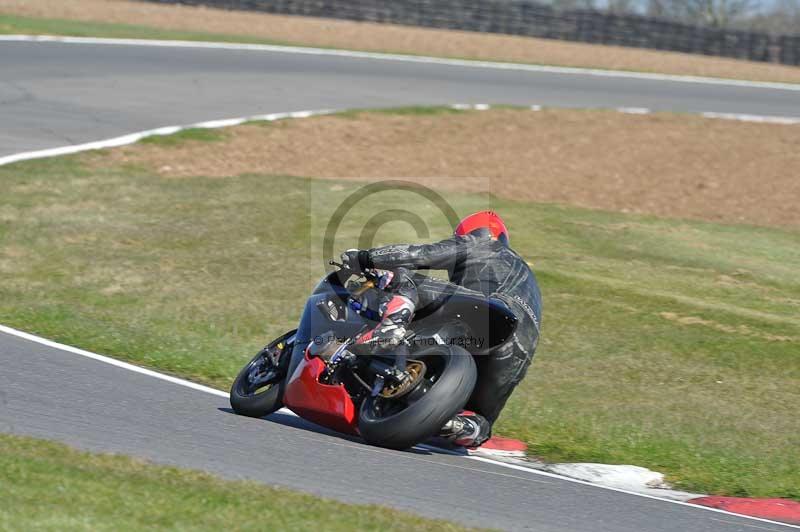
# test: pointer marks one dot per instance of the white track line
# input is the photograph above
(132, 138)
(634, 110)
(112, 361)
(199, 387)
(166, 130)
(408, 59)
(786, 120)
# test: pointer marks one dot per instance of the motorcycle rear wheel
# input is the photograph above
(263, 396)
(449, 381)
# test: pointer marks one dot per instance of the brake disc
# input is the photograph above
(415, 369)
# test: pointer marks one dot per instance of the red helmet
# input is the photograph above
(487, 220)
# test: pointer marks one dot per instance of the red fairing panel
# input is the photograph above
(323, 404)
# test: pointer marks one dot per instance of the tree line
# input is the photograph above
(771, 16)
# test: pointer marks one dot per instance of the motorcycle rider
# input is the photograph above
(479, 262)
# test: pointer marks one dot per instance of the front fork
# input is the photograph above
(395, 373)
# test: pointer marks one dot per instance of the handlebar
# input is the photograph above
(369, 274)
(354, 301)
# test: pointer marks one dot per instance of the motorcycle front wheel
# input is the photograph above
(258, 389)
(450, 376)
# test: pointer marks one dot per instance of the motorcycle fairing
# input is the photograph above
(331, 405)
(315, 321)
(324, 404)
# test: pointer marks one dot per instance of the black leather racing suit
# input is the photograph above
(481, 266)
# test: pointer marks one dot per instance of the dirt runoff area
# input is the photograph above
(401, 39)
(667, 165)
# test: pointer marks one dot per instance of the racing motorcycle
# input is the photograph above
(392, 398)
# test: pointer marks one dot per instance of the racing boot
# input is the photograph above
(467, 429)
(396, 314)
(473, 432)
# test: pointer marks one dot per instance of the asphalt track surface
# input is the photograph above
(56, 94)
(53, 394)
(53, 94)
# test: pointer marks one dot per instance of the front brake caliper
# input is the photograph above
(377, 386)
(275, 354)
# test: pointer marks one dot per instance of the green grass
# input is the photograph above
(13, 24)
(192, 134)
(668, 344)
(412, 110)
(49, 486)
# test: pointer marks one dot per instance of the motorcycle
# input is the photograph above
(392, 398)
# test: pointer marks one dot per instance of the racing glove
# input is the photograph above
(356, 260)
